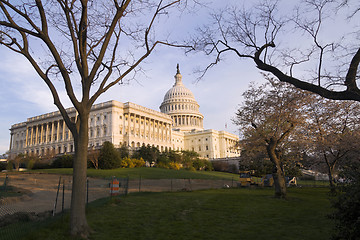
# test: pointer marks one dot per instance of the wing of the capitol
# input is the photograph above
(178, 126)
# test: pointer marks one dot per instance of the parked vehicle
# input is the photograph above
(245, 179)
(268, 180)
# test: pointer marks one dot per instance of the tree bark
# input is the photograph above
(331, 178)
(78, 222)
(278, 172)
(330, 167)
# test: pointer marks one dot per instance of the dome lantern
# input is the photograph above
(178, 77)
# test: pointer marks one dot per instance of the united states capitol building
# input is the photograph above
(178, 126)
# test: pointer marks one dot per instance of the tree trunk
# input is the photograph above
(78, 223)
(278, 173)
(331, 167)
(331, 179)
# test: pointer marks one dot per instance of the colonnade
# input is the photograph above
(187, 120)
(50, 132)
(140, 126)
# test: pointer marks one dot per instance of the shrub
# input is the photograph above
(132, 162)
(124, 151)
(202, 164)
(347, 206)
(208, 166)
(139, 162)
(30, 161)
(63, 161)
(173, 165)
(10, 166)
(127, 163)
(109, 157)
(41, 165)
(165, 165)
(3, 166)
(191, 168)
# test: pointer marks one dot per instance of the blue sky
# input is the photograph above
(23, 94)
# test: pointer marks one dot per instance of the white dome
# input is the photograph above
(179, 102)
(179, 92)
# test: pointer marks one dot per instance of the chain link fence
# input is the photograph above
(27, 199)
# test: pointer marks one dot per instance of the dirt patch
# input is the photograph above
(14, 194)
(23, 217)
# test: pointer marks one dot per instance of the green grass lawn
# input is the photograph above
(209, 214)
(147, 173)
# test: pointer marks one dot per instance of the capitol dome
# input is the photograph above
(179, 102)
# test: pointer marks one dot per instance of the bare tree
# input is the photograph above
(308, 48)
(91, 44)
(269, 117)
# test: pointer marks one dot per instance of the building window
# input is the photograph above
(207, 147)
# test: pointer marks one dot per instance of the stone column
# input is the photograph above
(63, 131)
(26, 136)
(47, 133)
(31, 135)
(37, 135)
(57, 131)
(52, 132)
(11, 139)
(153, 129)
(144, 127)
(41, 133)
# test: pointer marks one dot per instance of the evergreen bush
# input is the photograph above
(63, 161)
(109, 157)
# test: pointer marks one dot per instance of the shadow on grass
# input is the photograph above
(206, 214)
